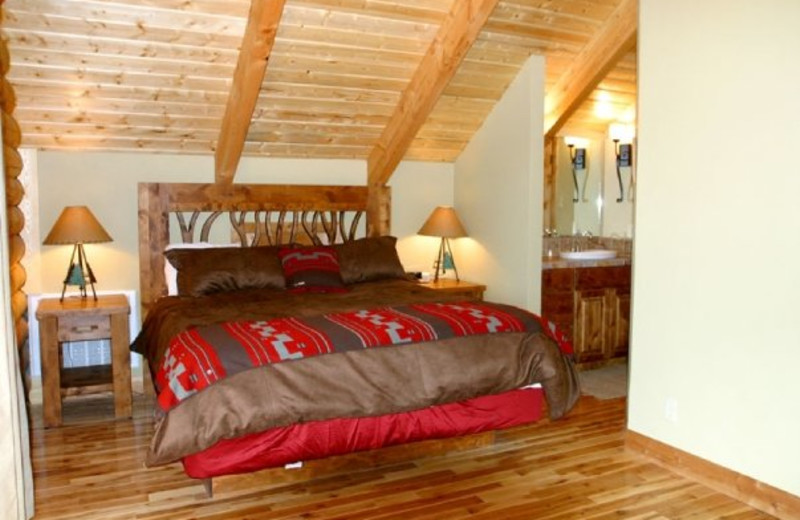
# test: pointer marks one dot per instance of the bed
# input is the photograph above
(305, 339)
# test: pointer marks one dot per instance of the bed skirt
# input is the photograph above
(318, 439)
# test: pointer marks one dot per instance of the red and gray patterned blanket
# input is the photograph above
(200, 356)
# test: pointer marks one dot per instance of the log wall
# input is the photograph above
(12, 162)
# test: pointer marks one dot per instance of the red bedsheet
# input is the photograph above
(317, 439)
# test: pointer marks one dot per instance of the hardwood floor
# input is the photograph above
(91, 468)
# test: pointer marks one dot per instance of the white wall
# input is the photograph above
(498, 194)
(417, 188)
(716, 278)
(106, 182)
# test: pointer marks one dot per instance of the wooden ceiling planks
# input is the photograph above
(154, 75)
(616, 38)
(440, 64)
(516, 29)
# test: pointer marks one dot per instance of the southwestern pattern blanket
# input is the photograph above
(200, 356)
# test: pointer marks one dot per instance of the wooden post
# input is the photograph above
(121, 365)
(153, 235)
(550, 166)
(51, 370)
(379, 210)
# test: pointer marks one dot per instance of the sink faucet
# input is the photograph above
(577, 243)
(551, 232)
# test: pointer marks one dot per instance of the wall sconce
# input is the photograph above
(622, 135)
(444, 223)
(577, 156)
(77, 225)
(623, 154)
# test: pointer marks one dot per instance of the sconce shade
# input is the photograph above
(623, 133)
(76, 225)
(577, 142)
(443, 222)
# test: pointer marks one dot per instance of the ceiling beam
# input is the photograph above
(616, 38)
(456, 35)
(259, 36)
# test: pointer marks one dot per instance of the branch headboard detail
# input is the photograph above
(258, 214)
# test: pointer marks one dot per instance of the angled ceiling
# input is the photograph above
(155, 75)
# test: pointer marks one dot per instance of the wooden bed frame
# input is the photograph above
(274, 212)
(277, 213)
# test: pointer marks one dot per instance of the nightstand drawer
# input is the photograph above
(84, 328)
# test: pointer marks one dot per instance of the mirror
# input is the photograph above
(578, 188)
(592, 195)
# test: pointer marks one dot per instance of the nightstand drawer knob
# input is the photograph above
(84, 329)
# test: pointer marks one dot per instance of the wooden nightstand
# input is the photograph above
(468, 289)
(79, 319)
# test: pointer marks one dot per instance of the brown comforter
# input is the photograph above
(352, 384)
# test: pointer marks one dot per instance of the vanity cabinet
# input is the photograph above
(591, 305)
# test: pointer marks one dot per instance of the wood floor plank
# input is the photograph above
(572, 468)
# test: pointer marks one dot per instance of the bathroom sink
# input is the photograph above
(591, 254)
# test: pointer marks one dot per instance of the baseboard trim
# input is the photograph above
(754, 493)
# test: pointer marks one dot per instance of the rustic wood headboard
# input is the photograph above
(257, 213)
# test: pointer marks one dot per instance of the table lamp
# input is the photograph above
(77, 225)
(444, 223)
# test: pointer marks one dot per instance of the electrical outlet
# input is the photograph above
(671, 410)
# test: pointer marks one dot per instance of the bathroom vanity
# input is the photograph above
(590, 302)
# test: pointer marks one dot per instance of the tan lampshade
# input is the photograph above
(444, 223)
(76, 225)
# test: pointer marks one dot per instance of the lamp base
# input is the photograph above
(441, 264)
(79, 273)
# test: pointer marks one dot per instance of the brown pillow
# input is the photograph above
(207, 271)
(369, 259)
